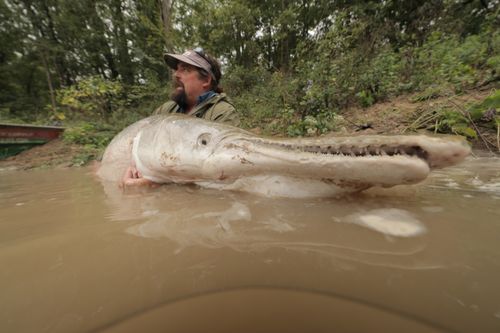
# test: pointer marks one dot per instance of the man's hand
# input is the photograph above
(133, 177)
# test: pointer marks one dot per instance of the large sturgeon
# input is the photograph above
(184, 149)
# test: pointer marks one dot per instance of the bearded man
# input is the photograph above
(196, 88)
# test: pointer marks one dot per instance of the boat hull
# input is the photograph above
(14, 138)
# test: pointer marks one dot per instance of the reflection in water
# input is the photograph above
(78, 254)
(234, 226)
(391, 222)
(191, 221)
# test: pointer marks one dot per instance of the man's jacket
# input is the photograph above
(216, 108)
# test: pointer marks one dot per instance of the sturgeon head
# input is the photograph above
(190, 150)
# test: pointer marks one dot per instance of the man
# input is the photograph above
(196, 88)
(196, 92)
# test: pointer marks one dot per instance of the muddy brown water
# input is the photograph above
(78, 256)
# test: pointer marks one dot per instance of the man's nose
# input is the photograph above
(177, 73)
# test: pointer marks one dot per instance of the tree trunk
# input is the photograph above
(66, 78)
(125, 68)
(166, 18)
(49, 81)
(102, 42)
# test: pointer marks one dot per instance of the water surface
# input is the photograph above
(79, 256)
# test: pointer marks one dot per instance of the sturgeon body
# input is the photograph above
(183, 149)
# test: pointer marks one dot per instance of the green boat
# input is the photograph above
(14, 138)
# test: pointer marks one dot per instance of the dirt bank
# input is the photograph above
(403, 115)
(55, 153)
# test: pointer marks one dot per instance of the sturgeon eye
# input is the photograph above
(204, 139)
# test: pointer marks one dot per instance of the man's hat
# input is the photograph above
(194, 57)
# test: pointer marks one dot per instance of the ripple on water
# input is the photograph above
(491, 187)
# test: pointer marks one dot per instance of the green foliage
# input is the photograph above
(98, 109)
(89, 153)
(452, 121)
(260, 97)
(431, 92)
(276, 103)
(494, 63)
(365, 98)
(492, 102)
(138, 101)
(463, 122)
(94, 135)
(312, 125)
(380, 77)
(95, 109)
(446, 59)
(91, 97)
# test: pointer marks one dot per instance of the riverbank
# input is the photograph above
(402, 115)
(54, 154)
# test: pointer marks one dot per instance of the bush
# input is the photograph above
(90, 134)
(464, 122)
(445, 59)
(90, 97)
(94, 98)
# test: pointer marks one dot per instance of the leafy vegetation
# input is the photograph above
(469, 120)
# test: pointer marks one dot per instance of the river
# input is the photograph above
(77, 255)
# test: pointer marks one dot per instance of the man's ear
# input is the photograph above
(207, 83)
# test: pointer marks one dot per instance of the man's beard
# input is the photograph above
(179, 96)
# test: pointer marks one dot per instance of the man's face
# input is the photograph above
(188, 85)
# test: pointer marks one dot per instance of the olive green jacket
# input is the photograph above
(216, 108)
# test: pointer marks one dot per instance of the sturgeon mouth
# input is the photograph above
(359, 161)
(354, 151)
